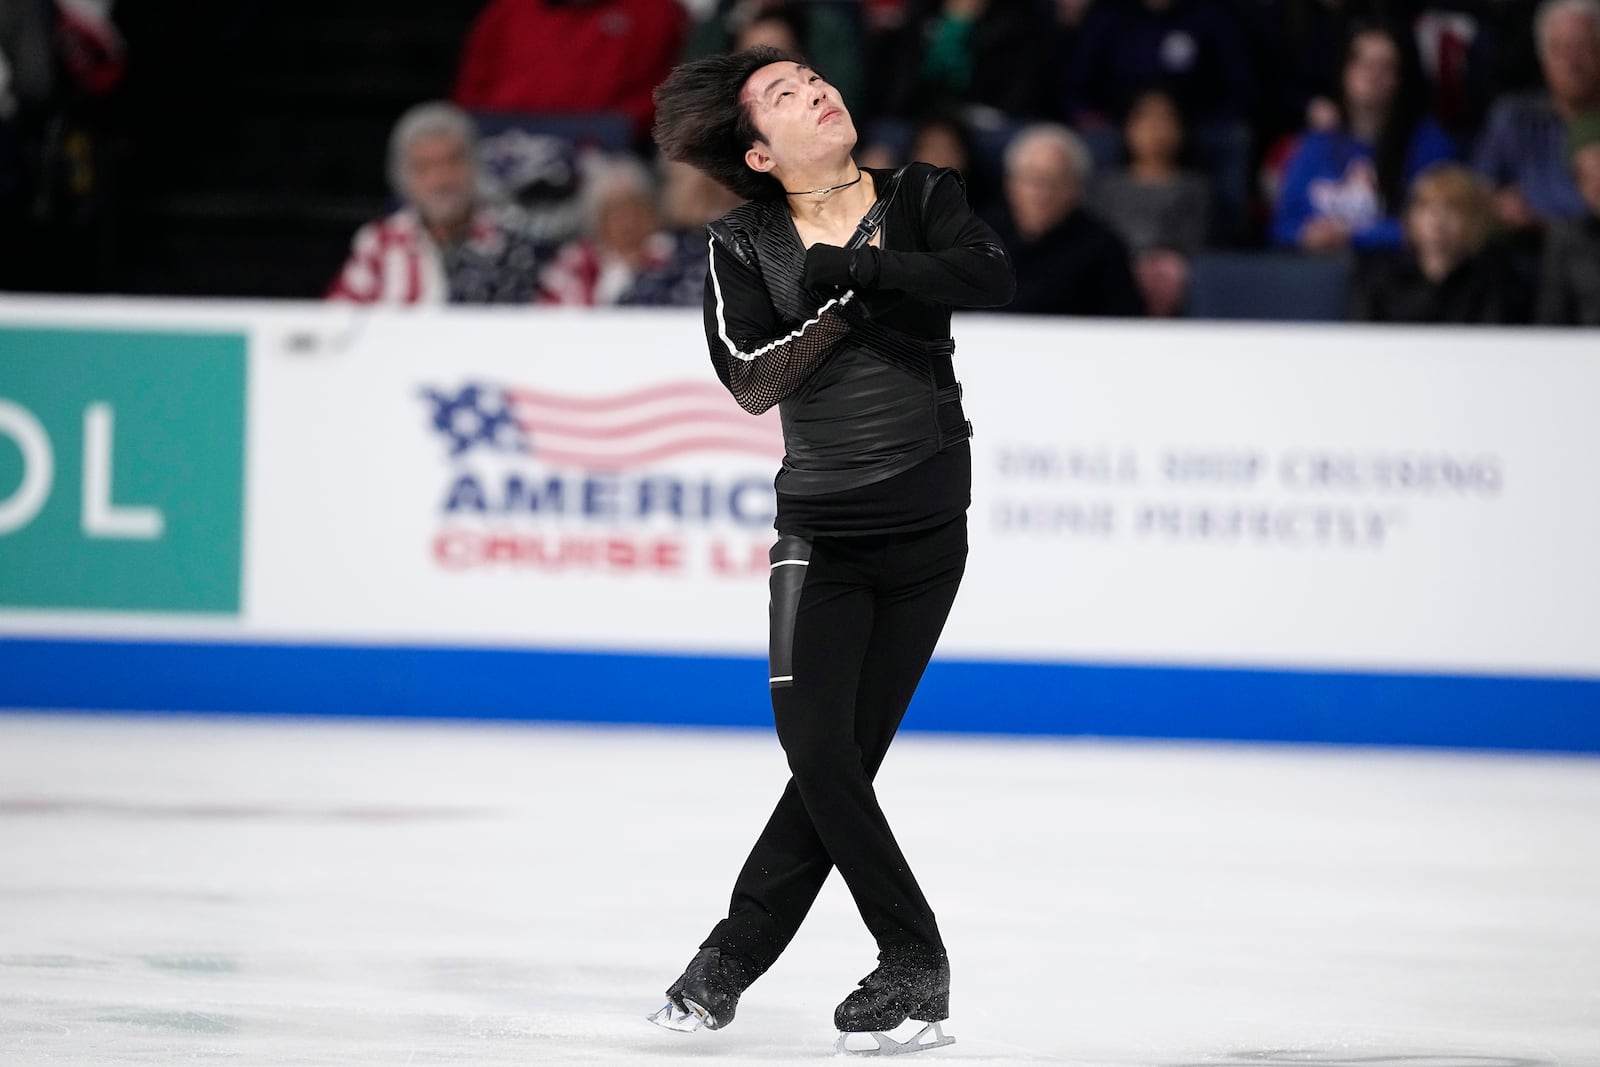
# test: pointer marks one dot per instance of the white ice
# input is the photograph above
(279, 892)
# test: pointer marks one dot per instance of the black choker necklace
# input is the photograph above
(829, 189)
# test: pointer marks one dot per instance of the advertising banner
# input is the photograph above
(1176, 503)
(553, 479)
(121, 453)
(1322, 498)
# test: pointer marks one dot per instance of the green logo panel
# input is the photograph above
(121, 469)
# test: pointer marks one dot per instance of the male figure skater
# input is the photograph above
(829, 294)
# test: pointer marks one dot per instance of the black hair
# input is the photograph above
(1405, 112)
(1158, 88)
(702, 119)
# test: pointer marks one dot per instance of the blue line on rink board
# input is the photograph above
(1458, 711)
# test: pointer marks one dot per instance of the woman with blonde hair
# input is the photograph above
(1451, 270)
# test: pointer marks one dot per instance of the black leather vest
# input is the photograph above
(882, 403)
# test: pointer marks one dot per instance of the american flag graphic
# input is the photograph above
(605, 431)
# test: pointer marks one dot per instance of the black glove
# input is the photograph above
(827, 268)
(831, 267)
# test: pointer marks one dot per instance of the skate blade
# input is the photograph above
(878, 1043)
(687, 1021)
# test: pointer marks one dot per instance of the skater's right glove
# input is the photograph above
(830, 268)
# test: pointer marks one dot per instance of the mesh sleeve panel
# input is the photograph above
(762, 378)
(759, 374)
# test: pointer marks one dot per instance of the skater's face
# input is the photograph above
(804, 125)
(438, 177)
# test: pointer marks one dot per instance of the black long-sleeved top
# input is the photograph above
(1483, 289)
(863, 375)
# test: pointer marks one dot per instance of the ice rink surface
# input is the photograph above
(193, 891)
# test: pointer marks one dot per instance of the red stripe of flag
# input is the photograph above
(669, 391)
(597, 431)
(683, 416)
(603, 462)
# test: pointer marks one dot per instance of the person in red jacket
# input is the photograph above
(566, 56)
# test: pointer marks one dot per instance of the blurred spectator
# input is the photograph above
(952, 53)
(946, 140)
(1068, 261)
(943, 139)
(63, 147)
(1466, 49)
(776, 26)
(1162, 211)
(1196, 48)
(539, 173)
(571, 56)
(624, 255)
(827, 32)
(1343, 187)
(1450, 271)
(445, 243)
(1569, 283)
(1301, 46)
(27, 81)
(92, 49)
(690, 200)
(27, 59)
(1522, 149)
(1502, 57)
(1065, 25)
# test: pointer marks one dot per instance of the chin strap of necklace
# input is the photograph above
(829, 189)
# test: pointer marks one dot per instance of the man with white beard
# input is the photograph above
(445, 244)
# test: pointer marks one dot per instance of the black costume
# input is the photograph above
(854, 346)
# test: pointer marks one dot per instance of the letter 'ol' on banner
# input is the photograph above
(38, 467)
(121, 469)
(102, 518)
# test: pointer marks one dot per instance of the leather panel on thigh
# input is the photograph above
(790, 558)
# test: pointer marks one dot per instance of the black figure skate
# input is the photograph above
(706, 995)
(888, 997)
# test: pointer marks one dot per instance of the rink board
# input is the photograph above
(1193, 530)
(1545, 714)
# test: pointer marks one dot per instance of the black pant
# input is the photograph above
(866, 613)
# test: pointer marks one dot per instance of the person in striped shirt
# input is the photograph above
(446, 243)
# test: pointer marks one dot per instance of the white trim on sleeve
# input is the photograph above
(722, 324)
